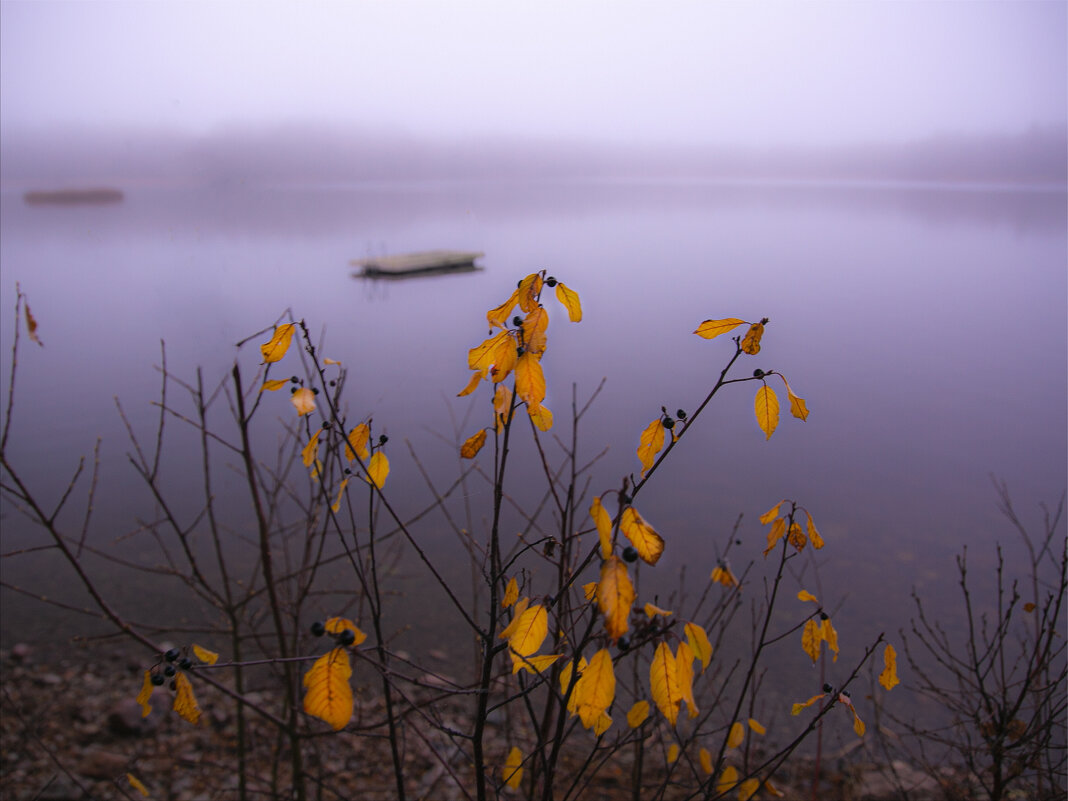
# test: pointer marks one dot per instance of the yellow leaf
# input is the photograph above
(601, 725)
(710, 329)
(311, 450)
(766, 405)
(797, 406)
(481, 356)
(565, 682)
(331, 361)
(472, 384)
(705, 759)
(727, 780)
(502, 404)
(699, 644)
(357, 443)
(805, 595)
(504, 357)
(530, 631)
(813, 535)
(520, 608)
(664, 683)
(722, 574)
(637, 714)
(830, 636)
(811, 637)
(336, 505)
(673, 753)
(31, 323)
(272, 386)
(146, 693)
(771, 514)
(570, 299)
(858, 724)
(796, 537)
(513, 770)
(540, 416)
(737, 734)
(615, 594)
(511, 593)
(1027, 607)
(755, 726)
(589, 589)
(771, 788)
(642, 536)
(532, 664)
(329, 695)
(529, 379)
(650, 443)
(499, 316)
(778, 528)
(596, 688)
(378, 469)
(684, 676)
(604, 526)
(185, 703)
(336, 625)
(473, 444)
(529, 289)
(533, 330)
(317, 470)
(204, 655)
(751, 340)
(137, 784)
(796, 708)
(303, 400)
(275, 348)
(652, 610)
(888, 678)
(747, 789)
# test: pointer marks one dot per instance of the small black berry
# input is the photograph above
(824, 616)
(679, 413)
(347, 637)
(758, 373)
(623, 643)
(158, 679)
(292, 390)
(550, 281)
(827, 688)
(669, 423)
(294, 379)
(333, 383)
(517, 321)
(318, 629)
(629, 554)
(382, 440)
(737, 542)
(348, 472)
(185, 663)
(315, 390)
(171, 655)
(520, 351)
(169, 670)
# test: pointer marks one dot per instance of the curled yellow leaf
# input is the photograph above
(540, 416)
(332, 361)
(888, 678)
(513, 770)
(737, 735)
(529, 290)
(533, 331)
(757, 727)
(473, 444)
(771, 514)
(357, 443)
(778, 529)
(472, 384)
(304, 401)
(710, 329)
(311, 450)
(378, 469)
(652, 610)
(650, 443)
(684, 675)
(615, 595)
(565, 682)
(511, 593)
(185, 703)
(796, 537)
(751, 340)
(517, 613)
(699, 644)
(532, 664)
(796, 708)
(145, 694)
(336, 505)
(275, 348)
(498, 317)
(721, 574)
(137, 784)
(766, 405)
(813, 534)
(204, 655)
(638, 714)
(644, 538)
(274, 385)
(329, 694)
(570, 299)
(811, 637)
(830, 636)
(602, 724)
(604, 526)
(805, 595)
(529, 379)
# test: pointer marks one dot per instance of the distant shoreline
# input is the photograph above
(73, 196)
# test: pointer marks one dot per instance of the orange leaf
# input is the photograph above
(311, 450)
(513, 770)
(604, 526)
(570, 299)
(534, 326)
(595, 689)
(642, 536)
(499, 316)
(275, 348)
(540, 416)
(357, 443)
(710, 329)
(185, 703)
(204, 655)
(529, 379)
(274, 386)
(751, 341)
(888, 678)
(472, 384)
(511, 593)
(329, 695)
(699, 644)
(529, 289)
(615, 595)
(811, 637)
(473, 444)
(650, 444)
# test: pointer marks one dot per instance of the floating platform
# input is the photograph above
(70, 197)
(409, 265)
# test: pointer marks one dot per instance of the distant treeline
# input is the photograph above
(311, 155)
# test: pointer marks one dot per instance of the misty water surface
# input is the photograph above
(924, 324)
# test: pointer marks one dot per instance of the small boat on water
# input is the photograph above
(426, 262)
(72, 197)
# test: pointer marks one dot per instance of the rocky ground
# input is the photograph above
(71, 729)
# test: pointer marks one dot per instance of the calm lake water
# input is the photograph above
(925, 326)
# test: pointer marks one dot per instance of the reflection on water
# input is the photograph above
(923, 324)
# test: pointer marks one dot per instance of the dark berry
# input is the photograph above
(517, 321)
(629, 554)
(382, 440)
(623, 643)
(827, 688)
(158, 679)
(348, 472)
(520, 351)
(824, 616)
(326, 424)
(318, 629)
(669, 423)
(292, 390)
(315, 390)
(737, 542)
(758, 373)
(169, 670)
(347, 637)
(171, 655)
(185, 663)
(679, 413)
(294, 379)
(550, 281)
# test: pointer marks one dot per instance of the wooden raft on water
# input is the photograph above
(427, 262)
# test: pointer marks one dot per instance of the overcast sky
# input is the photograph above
(725, 73)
